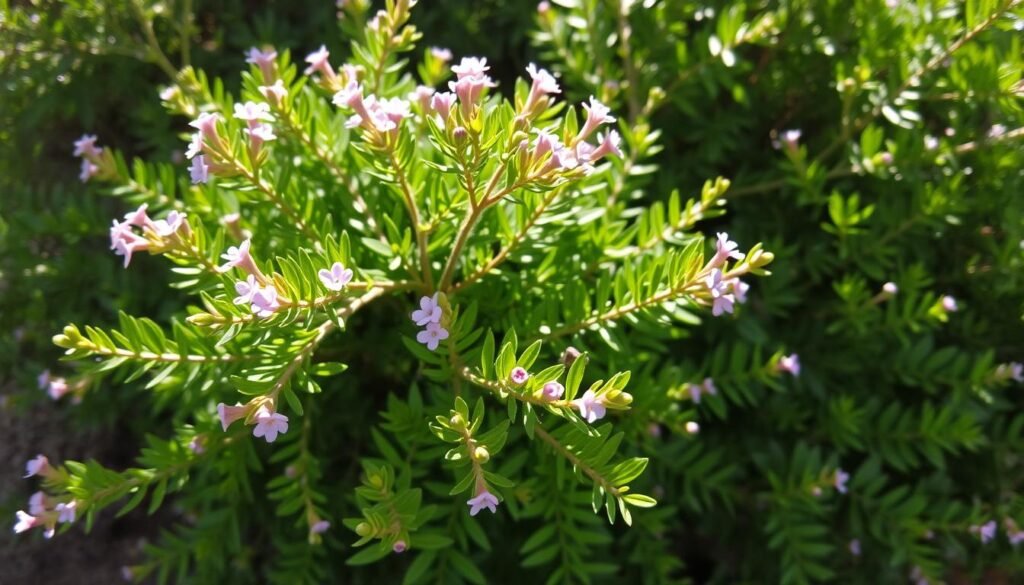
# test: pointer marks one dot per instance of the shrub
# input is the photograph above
(416, 285)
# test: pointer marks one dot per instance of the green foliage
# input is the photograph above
(899, 193)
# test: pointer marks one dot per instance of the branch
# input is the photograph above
(576, 461)
(512, 245)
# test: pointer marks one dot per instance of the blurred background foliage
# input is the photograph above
(908, 168)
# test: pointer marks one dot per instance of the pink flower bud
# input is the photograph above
(442, 103)
(519, 376)
(229, 414)
(265, 60)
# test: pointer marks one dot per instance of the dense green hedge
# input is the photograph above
(856, 420)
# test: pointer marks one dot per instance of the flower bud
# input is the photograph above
(457, 422)
(399, 546)
(692, 427)
(363, 529)
(482, 455)
(569, 356)
(459, 135)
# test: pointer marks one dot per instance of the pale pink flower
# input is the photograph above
(169, 93)
(839, 481)
(597, 114)
(725, 249)
(259, 134)
(543, 84)
(25, 522)
(264, 60)
(696, 392)
(1011, 371)
(441, 54)
(229, 414)
(949, 304)
(43, 379)
(429, 312)
(37, 503)
(423, 94)
(790, 364)
(199, 172)
(57, 388)
(789, 139)
(545, 143)
(399, 546)
(275, 94)
(470, 67)
(239, 257)
(543, 7)
(320, 527)
(195, 146)
(351, 96)
(590, 406)
(470, 84)
(890, 288)
(519, 376)
(432, 336)
(722, 302)
(561, 159)
(692, 427)
(66, 512)
(708, 386)
(246, 290)
(739, 289)
(265, 302)
(442, 103)
(986, 532)
(88, 170)
(86, 147)
(269, 424)
(196, 445)
(318, 62)
(170, 225)
(393, 110)
(336, 278)
(39, 465)
(609, 144)
(553, 390)
(124, 242)
(139, 217)
(483, 499)
(252, 112)
(206, 123)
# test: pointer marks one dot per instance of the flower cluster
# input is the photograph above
(86, 148)
(696, 391)
(724, 292)
(430, 316)
(56, 387)
(259, 412)
(157, 236)
(255, 115)
(44, 511)
(483, 499)
(789, 364)
(379, 118)
(256, 290)
(986, 532)
(337, 278)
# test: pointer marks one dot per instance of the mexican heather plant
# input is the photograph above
(313, 197)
